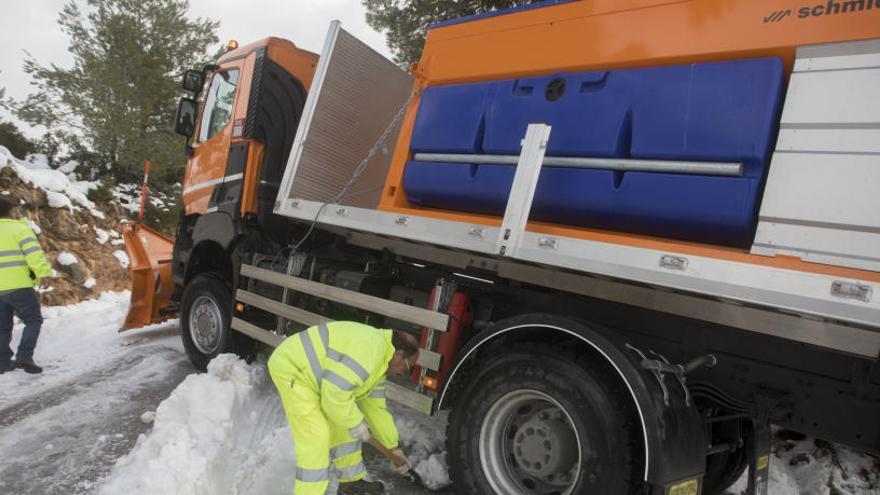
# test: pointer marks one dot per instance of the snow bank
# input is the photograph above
(58, 200)
(61, 191)
(217, 433)
(193, 430)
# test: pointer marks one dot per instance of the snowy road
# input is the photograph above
(63, 430)
(63, 439)
(77, 429)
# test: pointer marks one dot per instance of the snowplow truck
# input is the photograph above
(631, 234)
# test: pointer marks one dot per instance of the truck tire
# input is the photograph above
(539, 420)
(205, 317)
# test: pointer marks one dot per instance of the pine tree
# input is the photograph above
(14, 140)
(405, 22)
(117, 102)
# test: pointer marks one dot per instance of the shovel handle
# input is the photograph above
(394, 458)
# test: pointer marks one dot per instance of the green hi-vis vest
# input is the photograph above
(22, 262)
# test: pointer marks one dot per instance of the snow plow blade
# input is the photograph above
(149, 253)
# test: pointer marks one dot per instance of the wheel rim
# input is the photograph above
(528, 444)
(205, 325)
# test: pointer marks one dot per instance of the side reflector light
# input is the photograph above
(430, 383)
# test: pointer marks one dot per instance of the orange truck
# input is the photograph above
(631, 234)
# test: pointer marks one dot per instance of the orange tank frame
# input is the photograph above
(614, 34)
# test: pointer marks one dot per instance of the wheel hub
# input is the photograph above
(528, 444)
(544, 446)
(205, 324)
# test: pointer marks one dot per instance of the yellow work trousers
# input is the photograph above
(315, 439)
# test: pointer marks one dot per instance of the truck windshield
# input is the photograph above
(218, 103)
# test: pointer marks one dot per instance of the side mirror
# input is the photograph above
(185, 120)
(193, 80)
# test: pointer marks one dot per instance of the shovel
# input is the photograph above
(398, 461)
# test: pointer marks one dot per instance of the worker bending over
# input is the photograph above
(331, 379)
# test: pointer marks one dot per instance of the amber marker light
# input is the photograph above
(430, 382)
(232, 45)
(239, 307)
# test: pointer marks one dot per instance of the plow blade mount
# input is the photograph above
(150, 255)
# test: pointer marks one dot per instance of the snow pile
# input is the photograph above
(129, 196)
(424, 441)
(66, 259)
(207, 438)
(122, 257)
(805, 465)
(68, 167)
(61, 191)
(101, 235)
(58, 200)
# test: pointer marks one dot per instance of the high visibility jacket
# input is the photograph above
(20, 256)
(345, 364)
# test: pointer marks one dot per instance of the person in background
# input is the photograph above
(23, 266)
(331, 378)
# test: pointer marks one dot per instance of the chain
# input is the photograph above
(380, 144)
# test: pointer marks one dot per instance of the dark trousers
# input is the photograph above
(26, 305)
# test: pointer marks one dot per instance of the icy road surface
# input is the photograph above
(63, 430)
(77, 428)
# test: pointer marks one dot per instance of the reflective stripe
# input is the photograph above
(346, 449)
(338, 381)
(27, 240)
(213, 182)
(10, 253)
(325, 335)
(31, 249)
(306, 342)
(351, 471)
(378, 393)
(7, 264)
(312, 475)
(349, 363)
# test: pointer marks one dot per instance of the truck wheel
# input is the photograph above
(205, 318)
(539, 421)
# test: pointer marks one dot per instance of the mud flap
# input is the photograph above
(759, 463)
(149, 254)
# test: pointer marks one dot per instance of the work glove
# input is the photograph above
(360, 432)
(404, 468)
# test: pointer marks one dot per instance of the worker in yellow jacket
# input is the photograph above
(331, 379)
(23, 266)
